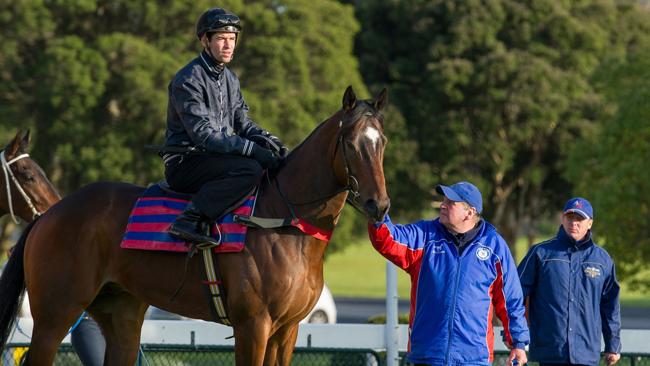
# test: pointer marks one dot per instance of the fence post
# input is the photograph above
(392, 326)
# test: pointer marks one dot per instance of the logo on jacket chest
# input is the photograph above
(483, 253)
(592, 272)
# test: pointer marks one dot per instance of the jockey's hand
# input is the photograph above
(265, 157)
(283, 151)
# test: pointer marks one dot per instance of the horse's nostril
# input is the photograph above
(371, 207)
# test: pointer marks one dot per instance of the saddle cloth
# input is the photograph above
(156, 209)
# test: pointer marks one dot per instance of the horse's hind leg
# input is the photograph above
(251, 338)
(281, 345)
(49, 330)
(120, 315)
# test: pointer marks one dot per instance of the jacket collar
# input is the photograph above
(461, 240)
(210, 65)
(570, 242)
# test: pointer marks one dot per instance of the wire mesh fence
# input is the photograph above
(184, 355)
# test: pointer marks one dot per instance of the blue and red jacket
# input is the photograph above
(454, 296)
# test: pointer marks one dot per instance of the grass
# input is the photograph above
(359, 271)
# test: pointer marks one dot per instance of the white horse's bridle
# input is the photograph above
(8, 173)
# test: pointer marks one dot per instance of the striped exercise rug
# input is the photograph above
(155, 211)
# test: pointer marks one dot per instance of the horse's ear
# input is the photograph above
(13, 146)
(349, 99)
(382, 100)
(24, 145)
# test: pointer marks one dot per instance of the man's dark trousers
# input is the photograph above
(217, 181)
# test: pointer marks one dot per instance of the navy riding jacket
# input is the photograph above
(573, 299)
(206, 110)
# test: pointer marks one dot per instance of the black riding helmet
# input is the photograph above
(217, 20)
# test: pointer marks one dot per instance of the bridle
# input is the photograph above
(6, 168)
(352, 186)
(353, 183)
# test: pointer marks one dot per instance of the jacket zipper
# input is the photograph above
(453, 309)
(453, 304)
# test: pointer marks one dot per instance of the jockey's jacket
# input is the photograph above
(454, 296)
(206, 110)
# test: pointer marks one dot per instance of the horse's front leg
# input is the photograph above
(280, 346)
(251, 337)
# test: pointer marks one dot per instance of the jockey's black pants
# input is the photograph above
(217, 181)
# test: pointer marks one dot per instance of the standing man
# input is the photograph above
(572, 294)
(461, 272)
(207, 114)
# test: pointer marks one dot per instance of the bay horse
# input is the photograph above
(25, 190)
(73, 260)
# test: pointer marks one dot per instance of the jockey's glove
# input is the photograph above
(265, 157)
(283, 151)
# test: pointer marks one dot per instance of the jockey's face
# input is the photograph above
(221, 46)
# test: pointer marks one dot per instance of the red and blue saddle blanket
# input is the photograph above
(156, 209)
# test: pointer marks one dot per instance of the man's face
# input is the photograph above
(454, 213)
(575, 225)
(222, 46)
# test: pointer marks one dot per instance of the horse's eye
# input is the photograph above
(26, 176)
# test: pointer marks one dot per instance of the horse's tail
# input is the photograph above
(12, 287)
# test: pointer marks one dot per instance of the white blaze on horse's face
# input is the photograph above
(374, 136)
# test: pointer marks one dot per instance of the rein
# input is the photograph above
(6, 168)
(352, 187)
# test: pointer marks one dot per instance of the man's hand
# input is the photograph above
(265, 157)
(612, 358)
(282, 150)
(519, 355)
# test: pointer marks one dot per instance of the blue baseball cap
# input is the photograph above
(464, 192)
(580, 206)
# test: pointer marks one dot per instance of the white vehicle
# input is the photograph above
(324, 312)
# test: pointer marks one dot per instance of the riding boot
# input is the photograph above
(191, 226)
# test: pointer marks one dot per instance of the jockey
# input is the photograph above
(207, 115)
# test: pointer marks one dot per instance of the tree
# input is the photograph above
(495, 91)
(608, 167)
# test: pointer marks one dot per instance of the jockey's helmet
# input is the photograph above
(217, 20)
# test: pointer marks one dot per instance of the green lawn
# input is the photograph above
(359, 271)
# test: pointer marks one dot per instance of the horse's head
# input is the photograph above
(26, 191)
(360, 154)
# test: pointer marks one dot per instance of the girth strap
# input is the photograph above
(263, 222)
(216, 289)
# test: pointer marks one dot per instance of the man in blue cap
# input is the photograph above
(461, 273)
(570, 283)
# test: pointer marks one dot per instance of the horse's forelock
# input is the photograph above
(363, 108)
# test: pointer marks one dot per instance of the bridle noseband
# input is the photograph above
(353, 183)
(6, 168)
